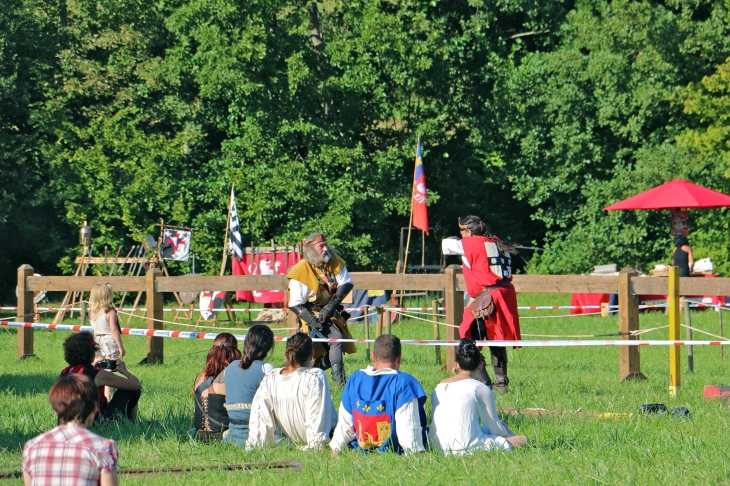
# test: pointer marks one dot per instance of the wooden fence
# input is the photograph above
(628, 285)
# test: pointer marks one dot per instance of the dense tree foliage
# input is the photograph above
(533, 114)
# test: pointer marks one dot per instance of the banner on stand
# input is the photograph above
(263, 264)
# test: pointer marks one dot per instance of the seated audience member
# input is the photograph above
(70, 453)
(382, 407)
(295, 398)
(243, 377)
(209, 388)
(79, 350)
(459, 402)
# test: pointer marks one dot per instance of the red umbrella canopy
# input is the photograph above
(672, 195)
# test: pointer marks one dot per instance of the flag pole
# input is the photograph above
(224, 258)
(410, 219)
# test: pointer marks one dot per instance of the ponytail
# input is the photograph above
(298, 350)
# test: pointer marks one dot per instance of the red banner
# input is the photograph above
(263, 264)
(420, 211)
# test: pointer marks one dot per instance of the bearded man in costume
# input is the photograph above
(317, 285)
(487, 267)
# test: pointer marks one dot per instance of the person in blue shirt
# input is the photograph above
(382, 407)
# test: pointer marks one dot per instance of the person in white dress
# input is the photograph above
(458, 404)
(296, 399)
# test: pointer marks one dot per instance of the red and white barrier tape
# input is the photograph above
(401, 309)
(524, 344)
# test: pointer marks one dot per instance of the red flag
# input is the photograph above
(420, 212)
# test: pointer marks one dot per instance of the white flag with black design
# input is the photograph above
(235, 238)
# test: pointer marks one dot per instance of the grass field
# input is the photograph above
(568, 449)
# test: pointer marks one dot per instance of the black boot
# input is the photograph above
(338, 375)
(499, 362)
(483, 376)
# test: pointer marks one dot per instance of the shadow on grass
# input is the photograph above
(27, 384)
(169, 424)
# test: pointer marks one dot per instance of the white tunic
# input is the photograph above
(452, 246)
(301, 294)
(457, 408)
(299, 403)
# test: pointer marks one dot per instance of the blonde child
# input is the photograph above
(104, 322)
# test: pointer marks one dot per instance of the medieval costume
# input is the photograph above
(315, 295)
(457, 408)
(298, 403)
(381, 410)
(486, 266)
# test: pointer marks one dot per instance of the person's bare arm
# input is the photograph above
(114, 325)
(27, 479)
(115, 381)
(109, 478)
(690, 258)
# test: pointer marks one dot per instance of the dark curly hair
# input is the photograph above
(224, 351)
(258, 343)
(680, 241)
(298, 350)
(468, 355)
(79, 348)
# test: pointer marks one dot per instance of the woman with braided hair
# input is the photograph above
(296, 399)
(209, 388)
(487, 267)
(458, 404)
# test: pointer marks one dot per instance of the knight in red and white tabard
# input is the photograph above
(487, 266)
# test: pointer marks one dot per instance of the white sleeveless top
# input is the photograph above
(101, 325)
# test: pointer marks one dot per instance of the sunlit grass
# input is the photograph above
(567, 449)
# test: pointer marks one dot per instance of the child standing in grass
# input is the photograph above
(104, 322)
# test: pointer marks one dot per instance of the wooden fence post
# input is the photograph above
(24, 313)
(436, 331)
(628, 320)
(155, 346)
(688, 323)
(454, 310)
(367, 333)
(379, 323)
(675, 380)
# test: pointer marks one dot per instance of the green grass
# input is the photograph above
(568, 449)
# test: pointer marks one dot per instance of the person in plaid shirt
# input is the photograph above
(70, 454)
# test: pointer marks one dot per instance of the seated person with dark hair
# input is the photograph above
(382, 407)
(70, 453)
(459, 402)
(79, 350)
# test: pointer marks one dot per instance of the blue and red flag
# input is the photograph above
(418, 204)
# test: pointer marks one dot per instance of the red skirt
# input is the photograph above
(504, 323)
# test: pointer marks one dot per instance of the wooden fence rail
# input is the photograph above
(628, 285)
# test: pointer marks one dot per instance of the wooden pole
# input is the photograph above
(155, 351)
(675, 380)
(379, 323)
(436, 333)
(628, 320)
(25, 309)
(688, 322)
(224, 258)
(454, 309)
(720, 310)
(84, 312)
(367, 334)
(386, 321)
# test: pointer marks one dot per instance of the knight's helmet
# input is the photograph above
(85, 235)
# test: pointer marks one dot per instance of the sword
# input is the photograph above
(119, 250)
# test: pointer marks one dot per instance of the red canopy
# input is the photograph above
(672, 195)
